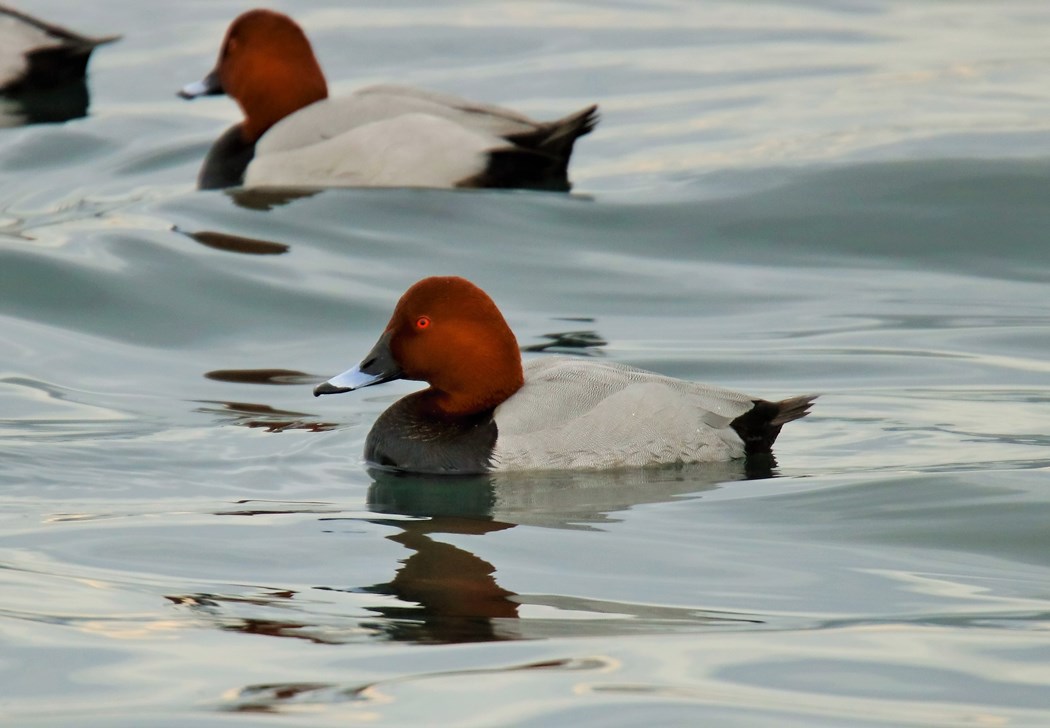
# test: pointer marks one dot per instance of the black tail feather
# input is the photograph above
(563, 133)
(537, 159)
(760, 426)
(516, 168)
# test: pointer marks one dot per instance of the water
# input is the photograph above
(787, 197)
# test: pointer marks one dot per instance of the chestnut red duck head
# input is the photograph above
(268, 66)
(447, 332)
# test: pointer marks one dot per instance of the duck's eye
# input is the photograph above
(423, 322)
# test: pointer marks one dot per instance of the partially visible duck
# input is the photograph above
(36, 56)
(293, 135)
(484, 411)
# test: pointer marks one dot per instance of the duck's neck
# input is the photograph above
(264, 107)
(476, 400)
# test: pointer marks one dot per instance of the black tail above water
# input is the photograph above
(537, 159)
(558, 137)
(759, 427)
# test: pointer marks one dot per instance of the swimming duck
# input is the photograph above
(36, 56)
(293, 135)
(484, 411)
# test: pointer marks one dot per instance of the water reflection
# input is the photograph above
(45, 106)
(444, 592)
(557, 499)
(262, 376)
(266, 199)
(447, 593)
(281, 697)
(253, 415)
(235, 243)
(215, 605)
(579, 343)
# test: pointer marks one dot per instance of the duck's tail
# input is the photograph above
(558, 137)
(61, 60)
(539, 158)
(759, 427)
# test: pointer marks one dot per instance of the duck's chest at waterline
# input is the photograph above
(405, 438)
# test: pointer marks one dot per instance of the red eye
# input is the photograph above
(423, 322)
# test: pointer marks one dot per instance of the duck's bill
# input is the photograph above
(377, 367)
(210, 85)
(348, 381)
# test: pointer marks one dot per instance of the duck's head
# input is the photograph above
(267, 65)
(447, 332)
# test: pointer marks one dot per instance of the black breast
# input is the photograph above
(406, 438)
(227, 159)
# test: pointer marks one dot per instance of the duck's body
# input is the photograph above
(381, 136)
(37, 56)
(393, 136)
(583, 414)
(485, 412)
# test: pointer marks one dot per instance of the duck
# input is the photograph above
(38, 56)
(485, 411)
(294, 135)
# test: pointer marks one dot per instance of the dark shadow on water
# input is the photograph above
(586, 343)
(260, 507)
(263, 376)
(277, 698)
(235, 243)
(249, 414)
(257, 415)
(46, 106)
(265, 200)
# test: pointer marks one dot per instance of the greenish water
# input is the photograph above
(783, 197)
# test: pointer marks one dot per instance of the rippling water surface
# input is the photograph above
(782, 197)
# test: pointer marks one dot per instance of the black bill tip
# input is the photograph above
(210, 85)
(329, 388)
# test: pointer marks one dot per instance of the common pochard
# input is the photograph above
(36, 55)
(484, 411)
(293, 135)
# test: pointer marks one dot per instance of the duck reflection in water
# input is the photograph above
(446, 593)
